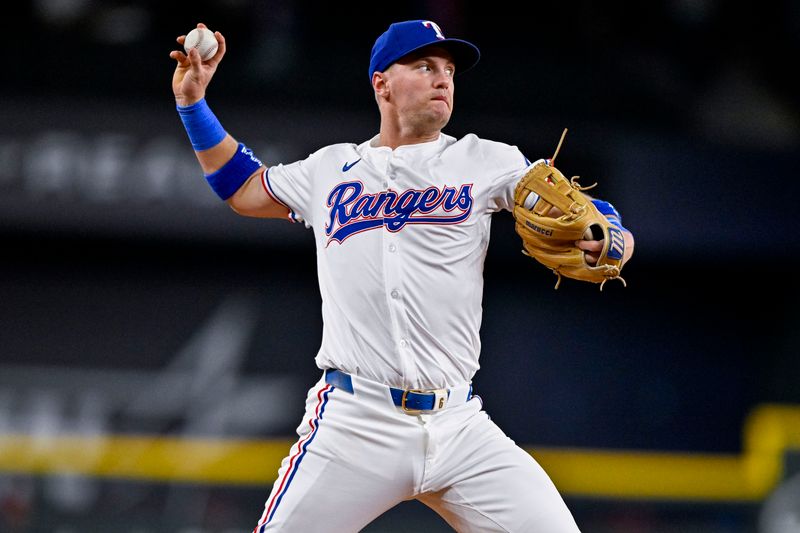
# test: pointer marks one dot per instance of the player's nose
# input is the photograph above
(442, 80)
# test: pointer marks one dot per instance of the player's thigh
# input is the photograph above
(333, 479)
(497, 486)
(326, 496)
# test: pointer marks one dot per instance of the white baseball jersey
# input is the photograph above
(401, 239)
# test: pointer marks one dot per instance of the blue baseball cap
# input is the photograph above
(402, 38)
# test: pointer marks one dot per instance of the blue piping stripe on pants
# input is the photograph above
(315, 424)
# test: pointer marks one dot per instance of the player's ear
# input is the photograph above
(380, 83)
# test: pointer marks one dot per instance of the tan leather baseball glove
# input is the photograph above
(557, 214)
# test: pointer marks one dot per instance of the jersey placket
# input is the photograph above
(392, 253)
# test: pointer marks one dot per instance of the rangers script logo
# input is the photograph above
(353, 211)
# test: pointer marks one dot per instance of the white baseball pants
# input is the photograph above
(358, 455)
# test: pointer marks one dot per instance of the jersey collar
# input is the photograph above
(418, 149)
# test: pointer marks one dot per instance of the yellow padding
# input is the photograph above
(769, 432)
(639, 475)
(149, 458)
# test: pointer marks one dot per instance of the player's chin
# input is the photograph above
(440, 116)
(442, 106)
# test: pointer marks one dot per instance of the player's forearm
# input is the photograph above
(214, 158)
(213, 146)
(249, 199)
(227, 165)
(629, 242)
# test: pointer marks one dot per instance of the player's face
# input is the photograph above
(421, 88)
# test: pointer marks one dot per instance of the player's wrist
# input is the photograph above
(185, 101)
(202, 126)
(228, 179)
(609, 211)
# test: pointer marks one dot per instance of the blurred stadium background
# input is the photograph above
(155, 348)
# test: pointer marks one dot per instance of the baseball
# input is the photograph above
(530, 200)
(203, 39)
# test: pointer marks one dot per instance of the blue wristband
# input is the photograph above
(234, 173)
(202, 125)
(610, 212)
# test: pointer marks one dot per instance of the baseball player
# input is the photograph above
(401, 225)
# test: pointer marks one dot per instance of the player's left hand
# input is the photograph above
(593, 250)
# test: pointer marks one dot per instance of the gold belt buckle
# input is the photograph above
(440, 397)
(403, 401)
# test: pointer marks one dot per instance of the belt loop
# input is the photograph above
(339, 379)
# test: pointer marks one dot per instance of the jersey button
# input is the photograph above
(403, 343)
(392, 248)
(395, 294)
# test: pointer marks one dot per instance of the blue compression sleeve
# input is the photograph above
(610, 212)
(234, 173)
(202, 125)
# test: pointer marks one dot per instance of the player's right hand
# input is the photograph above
(192, 74)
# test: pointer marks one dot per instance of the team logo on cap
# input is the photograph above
(354, 211)
(431, 24)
